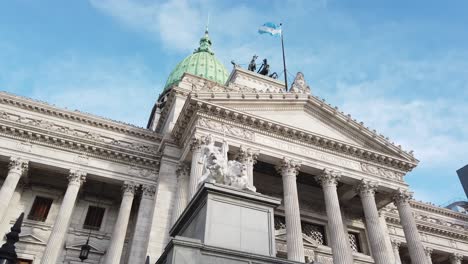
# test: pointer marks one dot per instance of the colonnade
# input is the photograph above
(328, 179)
(18, 168)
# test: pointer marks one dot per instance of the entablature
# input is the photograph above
(250, 125)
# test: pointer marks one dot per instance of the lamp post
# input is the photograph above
(84, 250)
(7, 251)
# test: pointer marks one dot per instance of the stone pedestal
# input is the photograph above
(227, 219)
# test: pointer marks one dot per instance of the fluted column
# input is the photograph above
(16, 169)
(366, 190)
(428, 252)
(181, 199)
(143, 225)
(196, 168)
(248, 157)
(413, 240)
(396, 251)
(456, 258)
(114, 252)
(289, 170)
(339, 239)
(60, 228)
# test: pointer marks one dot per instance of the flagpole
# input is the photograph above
(284, 60)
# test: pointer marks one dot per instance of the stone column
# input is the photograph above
(60, 228)
(366, 190)
(248, 157)
(396, 251)
(428, 252)
(16, 169)
(114, 252)
(196, 168)
(341, 250)
(456, 258)
(140, 237)
(289, 170)
(181, 199)
(413, 240)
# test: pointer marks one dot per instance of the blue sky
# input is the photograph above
(401, 67)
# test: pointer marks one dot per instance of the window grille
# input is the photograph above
(93, 218)
(354, 242)
(314, 232)
(40, 209)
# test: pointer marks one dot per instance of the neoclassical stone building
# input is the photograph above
(341, 186)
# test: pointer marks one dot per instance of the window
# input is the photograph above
(40, 209)
(94, 217)
(354, 241)
(24, 261)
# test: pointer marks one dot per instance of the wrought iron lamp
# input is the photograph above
(7, 251)
(84, 250)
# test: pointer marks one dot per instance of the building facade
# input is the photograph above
(80, 177)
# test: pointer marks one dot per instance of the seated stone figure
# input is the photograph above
(218, 169)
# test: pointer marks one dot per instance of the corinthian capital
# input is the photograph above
(76, 177)
(183, 171)
(288, 167)
(247, 155)
(18, 165)
(328, 177)
(456, 258)
(148, 190)
(395, 244)
(402, 196)
(196, 142)
(129, 188)
(428, 251)
(366, 187)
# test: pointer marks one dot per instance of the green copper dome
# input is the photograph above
(202, 63)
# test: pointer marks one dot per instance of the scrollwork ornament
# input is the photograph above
(402, 196)
(18, 165)
(129, 188)
(288, 167)
(148, 190)
(366, 187)
(76, 177)
(328, 177)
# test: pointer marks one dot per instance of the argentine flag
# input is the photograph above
(270, 28)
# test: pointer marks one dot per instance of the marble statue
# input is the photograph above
(218, 169)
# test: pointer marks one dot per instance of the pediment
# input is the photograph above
(80, 242)
(32, 238)
(311, 115)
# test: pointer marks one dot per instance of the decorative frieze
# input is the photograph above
(382, 172)
(225, 129)
(142, 172)
(24, 146)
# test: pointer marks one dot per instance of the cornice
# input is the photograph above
(438, 210)
(77, 116)
(32, 133)
(194, 105)
(429, 223)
